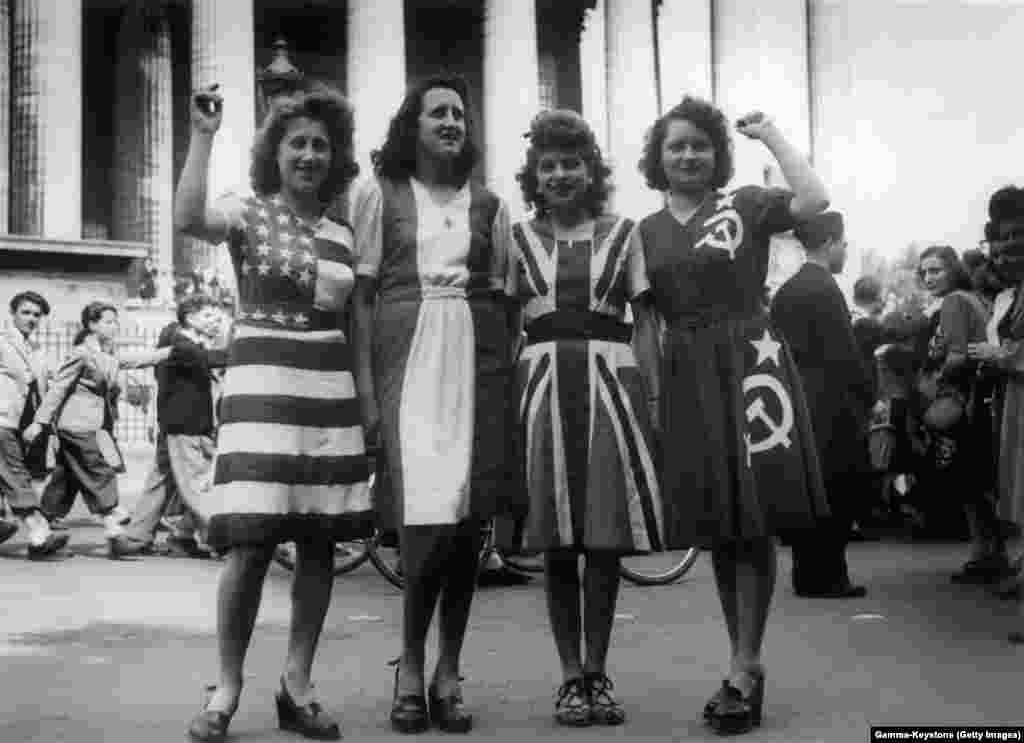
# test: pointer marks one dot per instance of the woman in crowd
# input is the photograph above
(589, 468)
(739, 458)
(290, 463)
(953, 476)
(1002, 355)
(80, 406)
(433, 249)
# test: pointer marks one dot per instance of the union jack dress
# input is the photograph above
(290, 462)
(585, 431)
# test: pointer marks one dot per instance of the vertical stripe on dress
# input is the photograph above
(572, 289)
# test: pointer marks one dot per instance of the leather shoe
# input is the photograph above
(210, 726)
(841, 590)
(448, 713)
(7, 530)
(124, 546)
(309, 720)
(53, 544)
(408, 711)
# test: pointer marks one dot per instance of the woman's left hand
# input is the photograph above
(32, 433)
(983, 351)
(755, 125)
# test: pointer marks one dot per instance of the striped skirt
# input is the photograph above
(290, 462)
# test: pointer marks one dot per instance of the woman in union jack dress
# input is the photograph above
(290, 462)
(583, 411)
(739, 456)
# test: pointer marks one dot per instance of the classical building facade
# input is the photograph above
(94, 100)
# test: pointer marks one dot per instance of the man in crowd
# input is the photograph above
(185, 417)
(23, 381)
(810, 311)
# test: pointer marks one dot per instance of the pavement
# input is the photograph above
(106, 651)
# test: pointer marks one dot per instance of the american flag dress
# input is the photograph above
(583, 413)
(290, 462)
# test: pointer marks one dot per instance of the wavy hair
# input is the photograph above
(90, 314)
(396, 158)
(564, 130)
(958, 276)
(319, 102)
(706, 117)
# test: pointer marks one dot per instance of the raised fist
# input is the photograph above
(754, 125)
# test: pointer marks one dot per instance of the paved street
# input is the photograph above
(101, 651)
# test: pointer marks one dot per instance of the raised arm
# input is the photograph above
(191, 215)
(137, 358)
(809, 193)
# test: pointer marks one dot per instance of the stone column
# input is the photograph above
(685, 50)
(594, 73)
(511, 93)
(376, 70)
(632, 101)
(223, 52)
(761, 63)
(5, 112)
(143, 136)
(46, 119)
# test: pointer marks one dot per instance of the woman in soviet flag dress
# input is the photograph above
(739, 456)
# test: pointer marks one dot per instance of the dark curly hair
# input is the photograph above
(91, 313)
(706, 117)
(958, 276)
(566, 130)
(319, 102)
(35, 298)
(396, 159)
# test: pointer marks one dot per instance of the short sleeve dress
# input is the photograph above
(290, 462)
(441, 349)
(584, 427)
(739, 458)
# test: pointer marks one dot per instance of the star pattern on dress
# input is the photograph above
(263, 248)
(262, 214)
(264, 268)
(279, 317)
(258, 315)
(305, 241)
(301, 319)
(308, 258)
(283, 220)
(286, 270)
(263, 231)
(767, 349)
(306, 277)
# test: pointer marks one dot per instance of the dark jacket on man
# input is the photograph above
(184, 401)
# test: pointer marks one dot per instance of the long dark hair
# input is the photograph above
(320, 103)
(706, 117)
(564, 130)
(396, 159)
(90, 314)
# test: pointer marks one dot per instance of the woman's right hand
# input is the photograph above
(983, 351)
(207, 110)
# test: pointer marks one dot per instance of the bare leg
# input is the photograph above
(755, 584)
(238, 603)
(562, 588)
(723, 562)
(311, 596)
(457, 591)
(600, 595)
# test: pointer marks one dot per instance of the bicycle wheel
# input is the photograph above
(386, 559)
(347, 556)
(658, 569)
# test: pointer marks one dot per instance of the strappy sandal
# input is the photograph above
(572, 704)
(210, 726)
(734, 713)
(604, 707)
(408, 711)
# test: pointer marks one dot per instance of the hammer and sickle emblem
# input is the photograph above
(778, 430)
(726, 231)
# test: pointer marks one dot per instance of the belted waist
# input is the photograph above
(262, 316)
(563, 325)
(698, 321)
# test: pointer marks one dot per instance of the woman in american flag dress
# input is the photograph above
(290, 462)
(582, 403)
